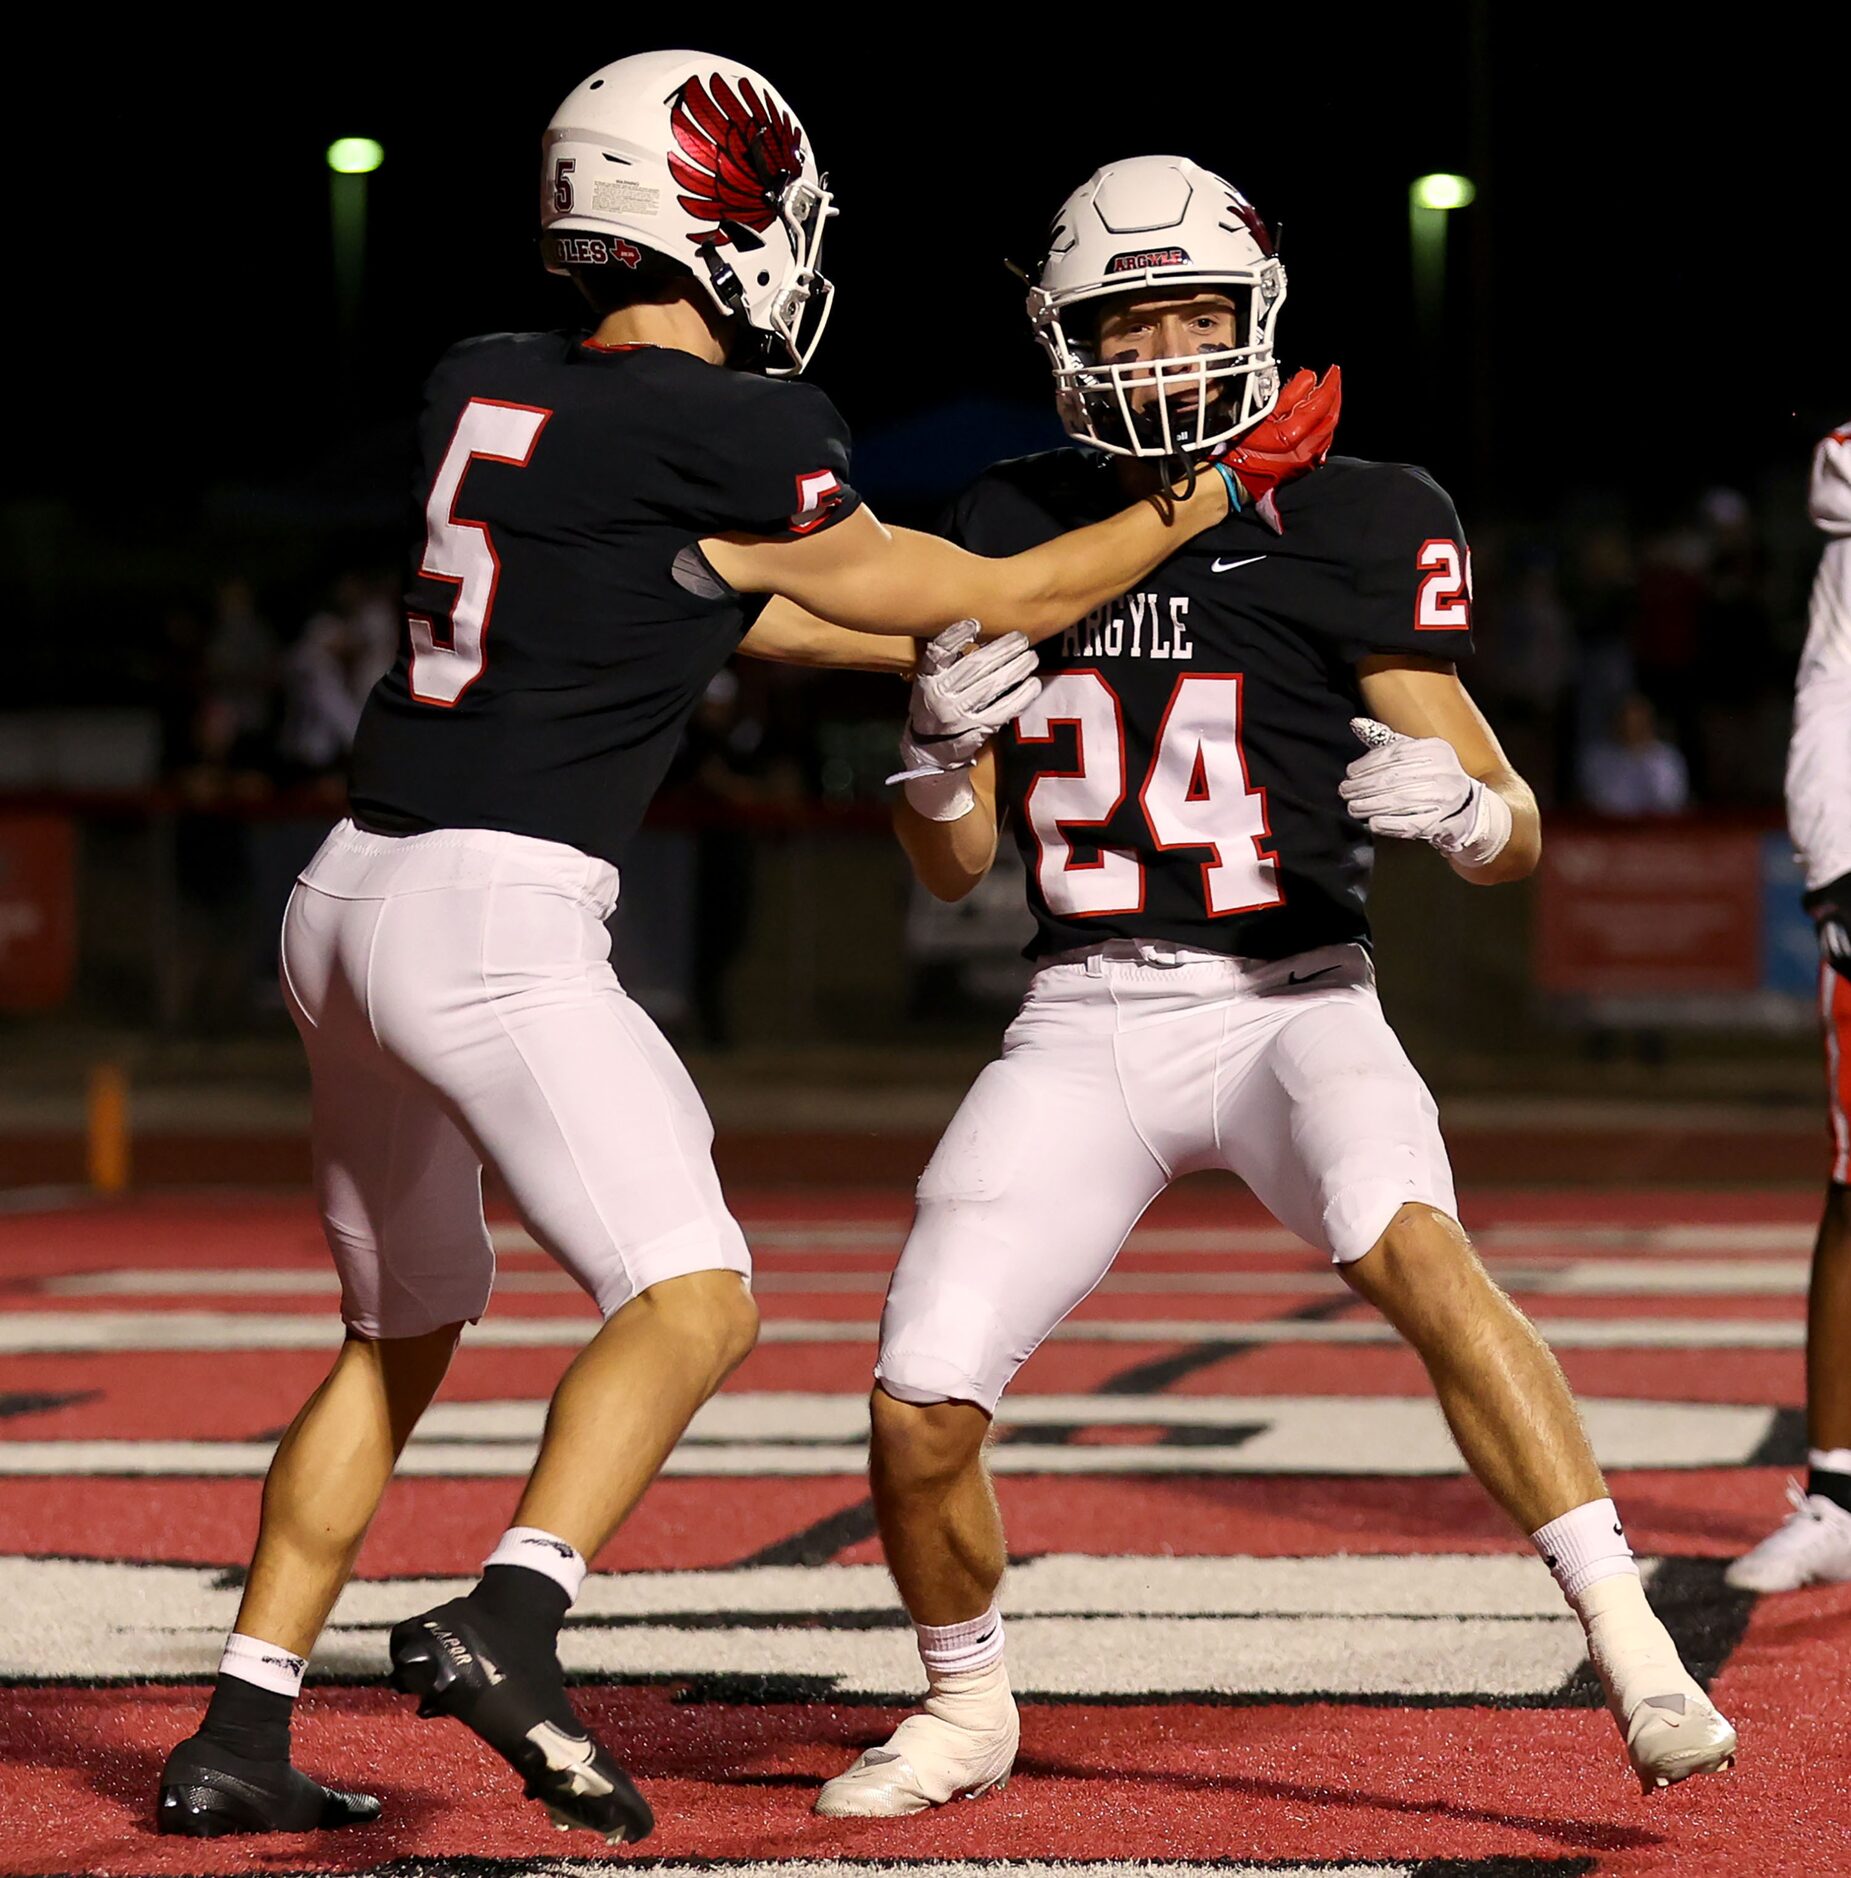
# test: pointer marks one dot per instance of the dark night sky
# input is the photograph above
(1645, 295)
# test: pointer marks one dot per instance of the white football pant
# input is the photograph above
(455, 995)
(1121, 1072)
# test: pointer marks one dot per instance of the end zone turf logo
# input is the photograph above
(1141, 258)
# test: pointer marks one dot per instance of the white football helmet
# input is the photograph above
(1155, 223)
(696, 158)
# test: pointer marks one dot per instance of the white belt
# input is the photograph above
(1159, 952)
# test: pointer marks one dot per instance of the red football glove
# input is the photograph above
(1296, 437)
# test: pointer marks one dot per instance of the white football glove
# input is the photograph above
(1415, 788)
(962, 697)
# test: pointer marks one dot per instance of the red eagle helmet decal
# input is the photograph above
(737, 153)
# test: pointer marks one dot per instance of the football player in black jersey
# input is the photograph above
(1194, 803)
(603, 519)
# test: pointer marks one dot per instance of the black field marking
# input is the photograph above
(27, 1404)
(1784, 1444)
(741, 1690)
(1233, 1435)
(820, 1541)
(466, 1865)
(1157, 1375)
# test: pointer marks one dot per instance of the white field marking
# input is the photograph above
(56, 1332)
(1578, 1277)
(1440, 1624)
(1749, 1236)
(807, 1436)
(875, 1234)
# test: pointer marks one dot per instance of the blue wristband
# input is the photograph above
(1235, 504)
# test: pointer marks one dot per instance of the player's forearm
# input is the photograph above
(1520, 854)
(788, 634)
(874, 579)
(1047, 588)
(948, 858)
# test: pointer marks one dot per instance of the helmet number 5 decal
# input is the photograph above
(562, 184)
(1443, 602)
(447, 656)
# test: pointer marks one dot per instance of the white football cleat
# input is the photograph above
(1671, 1728)
(1672, 1736)
(1811, 1546)
(960, 1747)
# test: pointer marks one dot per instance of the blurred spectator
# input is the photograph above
(1529, 643)
(341, 654)
(242, 671)
(1744, 683)
(1635, 771)
(1604, 600)
(729, 759)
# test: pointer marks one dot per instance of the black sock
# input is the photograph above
(522, 1610)
(1835, 1487)
(248, 1720)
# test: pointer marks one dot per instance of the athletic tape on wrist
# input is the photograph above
(943, 796)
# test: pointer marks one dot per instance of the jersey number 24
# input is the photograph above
(447, 657)
(1195, 795)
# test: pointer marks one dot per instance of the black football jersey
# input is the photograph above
(559, 624)
(1177, 777)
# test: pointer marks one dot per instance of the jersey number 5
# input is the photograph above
(447, 660)
(1196, 795)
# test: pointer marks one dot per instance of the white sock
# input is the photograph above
(1829, 1460)
(1584, 1546)
(268, 1665)
(541, 1552)
(960, 1649)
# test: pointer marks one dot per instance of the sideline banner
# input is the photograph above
(1653, 911)
(1675, 921)
(38, 911)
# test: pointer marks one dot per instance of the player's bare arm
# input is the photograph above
(863, 574)
(788, 634)
(949, 859)
(1423, 701)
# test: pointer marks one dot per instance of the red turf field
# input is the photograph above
(1261, 1619)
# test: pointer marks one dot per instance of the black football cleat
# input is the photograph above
(445, 1659)
(208, 1791)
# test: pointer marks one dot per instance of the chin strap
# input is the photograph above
(725, 281)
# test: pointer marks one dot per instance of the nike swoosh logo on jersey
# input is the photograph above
(1223, 567)
(1304, 978)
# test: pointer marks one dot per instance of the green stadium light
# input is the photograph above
(1443, 191)
(358, 156)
